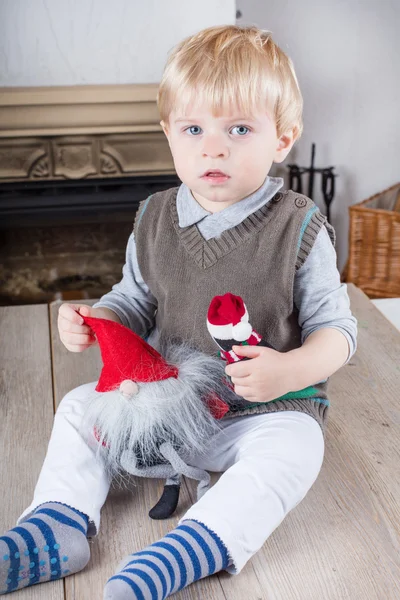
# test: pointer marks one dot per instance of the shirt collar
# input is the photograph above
(190, 212)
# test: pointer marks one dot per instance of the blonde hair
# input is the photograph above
(231, 66)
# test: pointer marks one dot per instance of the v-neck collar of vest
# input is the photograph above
(206, 253)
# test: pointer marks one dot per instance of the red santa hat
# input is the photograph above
(126, 356)
(228, 319)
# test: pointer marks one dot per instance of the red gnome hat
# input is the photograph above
(228, 319)
(126, 356)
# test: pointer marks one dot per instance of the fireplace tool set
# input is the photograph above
(327, 182)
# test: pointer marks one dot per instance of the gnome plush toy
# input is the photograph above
(150, 410)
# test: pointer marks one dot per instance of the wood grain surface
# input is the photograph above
(26, 417)
(342, 542)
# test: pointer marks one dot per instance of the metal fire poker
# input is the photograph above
(327, 183)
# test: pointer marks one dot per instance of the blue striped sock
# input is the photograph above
(190, 552)
(49, 545)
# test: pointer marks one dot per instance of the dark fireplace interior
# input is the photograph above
(66, 240)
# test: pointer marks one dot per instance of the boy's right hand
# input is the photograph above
(74, 334)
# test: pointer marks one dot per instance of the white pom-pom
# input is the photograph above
(241, 331)
(129, 388)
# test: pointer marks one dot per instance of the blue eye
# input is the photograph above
(240, 129)
(194, 130)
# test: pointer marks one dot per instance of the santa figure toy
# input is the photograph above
(228, 324)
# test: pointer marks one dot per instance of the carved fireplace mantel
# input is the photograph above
(82, 132)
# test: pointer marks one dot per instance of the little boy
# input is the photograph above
(230, 107)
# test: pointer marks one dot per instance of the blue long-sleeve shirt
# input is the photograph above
(320, 297)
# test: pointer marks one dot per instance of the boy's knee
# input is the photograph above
(308, 448)
(294, 444)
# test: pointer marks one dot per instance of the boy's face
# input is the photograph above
(224, 159)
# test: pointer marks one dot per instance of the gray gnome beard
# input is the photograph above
(171, 410)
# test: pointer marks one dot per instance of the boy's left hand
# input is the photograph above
(266, 376)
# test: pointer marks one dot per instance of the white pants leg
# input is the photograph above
(270, 463)
(71, 472)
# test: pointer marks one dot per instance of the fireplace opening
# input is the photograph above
(67, 239)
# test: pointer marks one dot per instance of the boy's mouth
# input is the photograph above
(215, 176)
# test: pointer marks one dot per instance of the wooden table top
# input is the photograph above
(341, 542)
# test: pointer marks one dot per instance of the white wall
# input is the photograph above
(347, 58)
(71, 42)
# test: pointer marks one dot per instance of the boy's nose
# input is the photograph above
(215, 148)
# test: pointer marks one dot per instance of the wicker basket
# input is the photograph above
(374, 245)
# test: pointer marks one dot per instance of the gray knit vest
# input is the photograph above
(256, 260)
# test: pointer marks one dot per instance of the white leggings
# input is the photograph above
(269, 462)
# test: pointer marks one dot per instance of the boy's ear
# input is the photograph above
(284, 146)
(164, 125)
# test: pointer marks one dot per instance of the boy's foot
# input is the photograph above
(190, 552)
(49, 545)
